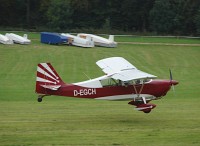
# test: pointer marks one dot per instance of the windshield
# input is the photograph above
(113, 82)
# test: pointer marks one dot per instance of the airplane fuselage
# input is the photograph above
(156, 88)
(126, 83)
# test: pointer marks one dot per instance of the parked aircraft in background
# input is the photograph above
(77, 41)
(18, 39)
(122, 81)
(5, 40)
(100, 41)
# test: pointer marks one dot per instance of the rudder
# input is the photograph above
(111, 38)
(47, 78)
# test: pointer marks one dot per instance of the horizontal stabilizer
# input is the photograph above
(51, 87)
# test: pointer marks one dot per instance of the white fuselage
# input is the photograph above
(18, 39)
(77, 41)
(5, 40)
(100, 41)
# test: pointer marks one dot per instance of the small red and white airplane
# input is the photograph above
(122, 81)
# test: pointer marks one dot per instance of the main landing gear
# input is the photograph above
(40, 98)
(141, 106)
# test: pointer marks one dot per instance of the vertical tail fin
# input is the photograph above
(111, 38)
(25, 36)
(47, 78)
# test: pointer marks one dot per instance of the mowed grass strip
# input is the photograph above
(89, 122)
(69, 121)
(159, 40)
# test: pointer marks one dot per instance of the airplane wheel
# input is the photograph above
(40, 99)
(147, 111)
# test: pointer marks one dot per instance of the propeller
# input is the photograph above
(171, 79)
(173, 82)
(170, 73)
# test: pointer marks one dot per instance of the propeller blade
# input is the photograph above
(170, 74)
(172, 82)
(173, 88)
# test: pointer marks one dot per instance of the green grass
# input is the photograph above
(70, 121)
(168, 40)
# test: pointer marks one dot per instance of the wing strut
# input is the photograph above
(138, 93)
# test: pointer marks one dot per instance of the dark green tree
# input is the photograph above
(38, 13)
(185, 11)
(179, 17)
(59, 15)
(197, 22)
(13, 13)
(162, 17)
(130, 15)
(174, 16)
(89, 13)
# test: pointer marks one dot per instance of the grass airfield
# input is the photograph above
(72, 121)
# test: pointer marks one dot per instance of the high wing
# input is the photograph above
(120, 69)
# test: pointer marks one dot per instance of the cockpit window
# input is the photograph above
(113, 82)
(109, 82)
(141, 81)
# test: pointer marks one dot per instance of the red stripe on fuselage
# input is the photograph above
(156, 88)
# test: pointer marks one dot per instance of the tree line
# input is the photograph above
(176, 17)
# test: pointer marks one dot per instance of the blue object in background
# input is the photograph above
(53, 38)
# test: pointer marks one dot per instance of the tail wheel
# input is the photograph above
(40, 99)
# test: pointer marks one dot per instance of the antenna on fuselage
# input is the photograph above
(87, 76)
